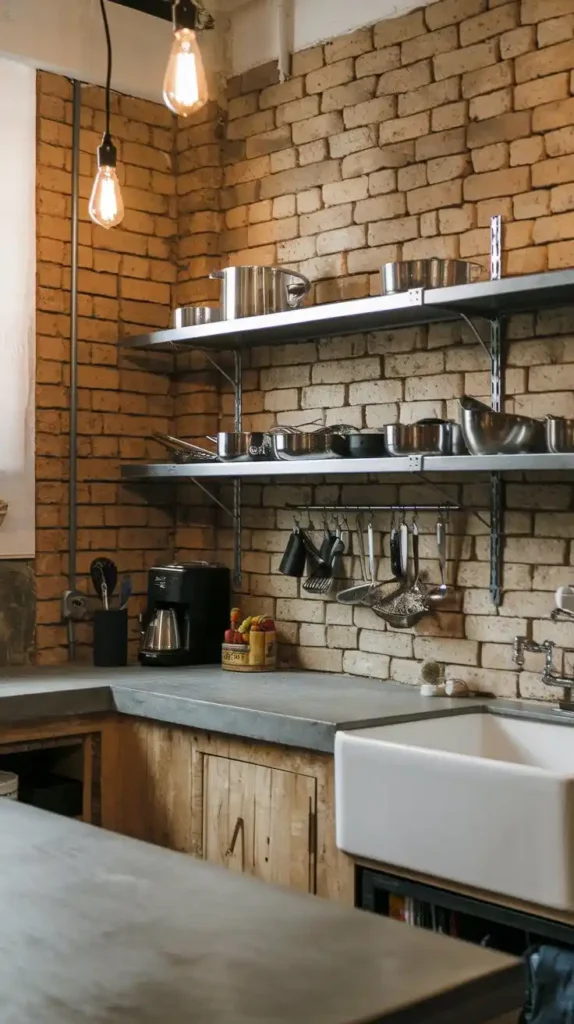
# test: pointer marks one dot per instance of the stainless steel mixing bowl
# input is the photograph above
(497, 433)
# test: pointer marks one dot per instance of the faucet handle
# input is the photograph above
(518, 650)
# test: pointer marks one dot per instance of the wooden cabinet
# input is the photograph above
(260, 821)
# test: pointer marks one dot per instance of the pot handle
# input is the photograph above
(216, 275)
(297, 292)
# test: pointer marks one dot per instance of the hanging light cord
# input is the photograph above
(109, 74)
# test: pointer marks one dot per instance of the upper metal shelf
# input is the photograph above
(488, 299)
(344, 467)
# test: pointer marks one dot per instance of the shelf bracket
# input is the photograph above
(212, 497)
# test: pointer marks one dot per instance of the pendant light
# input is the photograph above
(185, 83)
(106, 204)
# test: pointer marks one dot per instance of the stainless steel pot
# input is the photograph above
(243, 447)
(292, 447)
(559, 435)
(427, 437)
(195, 316)
(497, 433)
(256, 291)
(402, 276)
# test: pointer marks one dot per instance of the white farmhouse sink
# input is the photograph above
(479, 799)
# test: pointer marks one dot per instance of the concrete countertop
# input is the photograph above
(100, 928)
(295, 708)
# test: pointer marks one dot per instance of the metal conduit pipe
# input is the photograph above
(73, 464)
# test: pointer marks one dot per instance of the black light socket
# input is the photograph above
(187, 14)
(107, 152)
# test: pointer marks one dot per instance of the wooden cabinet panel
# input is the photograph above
(260, 821)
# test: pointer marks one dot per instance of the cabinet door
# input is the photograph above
(260, 821)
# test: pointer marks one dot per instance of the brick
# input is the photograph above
(456, 220)
(348, 95)
(310, 201)
(561, 142)
(518, 41)
(453, 115)
(307, 60)
(441, 144)
(450, 12)
(283, 160)
(428, 96)
(247, 171)
(378, 62)
(323, 220)
(429, 45)
(491, 23)
(531, 205)
(298, 110)
(320, 127)
(553, 172)
(458, 62)
(300, 179)
(543, 94)
(382, 182)
(298, 249)
(370, 112)
(496, 104)
(254, 124)
(545, 62)
(527, 151)
(260, 77)
(487, 80)
(554, 229)
(328, 77)
(562, 198)
(414, 364)
(313, 152)
(285, 92)
(434, 196)
(346, 371)
(389, 231)
(497, 183)
(323, 396)
(349, 191)
(404, 128)
(396, 30)
(352, 45)
(360, 663)
(533, 11)
(352, 141)
(382, 208)
(445, 247)
(556, 30)
(499, 129)
(405, 79)
(375, 392)
(374, 159)
(243, 106)
(447, 168)
(553, 115)
(491, 158)
(273, 231)
(323, 266)
(268, 142)
(369, 260)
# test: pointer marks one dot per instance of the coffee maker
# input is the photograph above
(187, 614)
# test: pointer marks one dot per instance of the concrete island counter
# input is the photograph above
(102, 928)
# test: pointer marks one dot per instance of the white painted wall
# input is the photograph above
(18, 305)
(253, 35)
(67, 37)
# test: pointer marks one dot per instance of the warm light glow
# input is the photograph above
(185, 85)
(106, 203)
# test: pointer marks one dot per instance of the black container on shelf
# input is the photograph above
(111, 638)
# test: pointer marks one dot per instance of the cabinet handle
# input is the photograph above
(239, 827)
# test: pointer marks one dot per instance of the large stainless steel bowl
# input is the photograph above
(497, 433)
(427, 437)
(433, 273)
(559, 435)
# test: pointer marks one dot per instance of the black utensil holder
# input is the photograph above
(111, 638)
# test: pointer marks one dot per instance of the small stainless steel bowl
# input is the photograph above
(497, 433)
(195, 316)
(419, 439)
(294, 447)
(431, 273)
(559, 435)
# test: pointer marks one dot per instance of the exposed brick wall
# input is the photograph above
(400, 141)
(125, 283)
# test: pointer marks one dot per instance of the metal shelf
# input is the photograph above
(488, 299)
(345, 467)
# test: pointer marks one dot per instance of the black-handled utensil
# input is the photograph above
(104, 574)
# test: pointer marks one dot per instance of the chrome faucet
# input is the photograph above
(549, 677)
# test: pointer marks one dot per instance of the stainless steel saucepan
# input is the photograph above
(195, 316)
(433, 273)
(295, 447)
(256, 291)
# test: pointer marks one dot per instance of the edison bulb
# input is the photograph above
(106, 203)
(185, 84)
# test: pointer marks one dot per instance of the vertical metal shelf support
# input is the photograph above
(497, 487)
(238, 413)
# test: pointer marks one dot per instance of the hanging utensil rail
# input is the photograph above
(377, 508)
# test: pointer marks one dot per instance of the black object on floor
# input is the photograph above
(549, 986)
